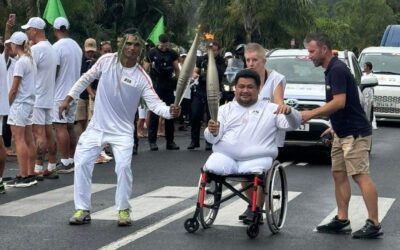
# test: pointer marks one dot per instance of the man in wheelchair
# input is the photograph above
(244, 137)
(244, 145)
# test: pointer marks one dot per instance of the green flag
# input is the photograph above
(53, 10)
(157, 31)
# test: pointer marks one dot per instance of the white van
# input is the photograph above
(386, 67)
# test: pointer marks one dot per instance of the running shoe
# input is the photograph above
(124, 218)
(80, 217)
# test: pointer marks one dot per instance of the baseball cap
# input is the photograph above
(34, 22)
(17, 38)
(228, 54)
(183, 54)
(59, 22)
(90, 45)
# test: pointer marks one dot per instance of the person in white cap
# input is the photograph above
(122, 82)
(69, 61)
(45, 59)
(22, 98)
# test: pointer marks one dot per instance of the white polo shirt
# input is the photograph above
(4, 107)
(45, 59)
(118, 94)
(248, 133)
(69, 58)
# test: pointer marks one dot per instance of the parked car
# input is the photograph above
(305, 90)
(391, 36)
(386, 67)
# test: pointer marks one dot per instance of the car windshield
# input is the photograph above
(382, 62)
(299, 69)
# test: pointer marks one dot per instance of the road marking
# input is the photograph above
(358, 212)
(151, 228)
(286, 163)
(150, 203)
(302, 164)
(42, 201)
(228, 215)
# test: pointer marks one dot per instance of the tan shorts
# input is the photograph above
(351, 155)
(82, 110)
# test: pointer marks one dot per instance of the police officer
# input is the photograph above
(199, 94)
(162, 62)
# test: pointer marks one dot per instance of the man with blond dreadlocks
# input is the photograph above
(122, 82)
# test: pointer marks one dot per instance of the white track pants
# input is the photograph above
(221, 164)
(89, 146)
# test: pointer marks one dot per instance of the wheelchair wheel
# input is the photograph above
(277, 197)
(208, 213)
(191, 225)
(252, 230)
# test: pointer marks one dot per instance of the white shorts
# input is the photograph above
(142, 112)
(68, 118)
(1, 125)
(221, 164)
(20, 114)
(42, 116)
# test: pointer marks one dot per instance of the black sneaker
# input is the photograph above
(63, 169)
(368, 231)
(14, 181)
(335, 226)
(2, 188)
(172, 146)
(153, 146)
(25, 182)
(245, 214)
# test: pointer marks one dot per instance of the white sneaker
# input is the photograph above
(105, 156)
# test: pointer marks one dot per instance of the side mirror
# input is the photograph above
(368, 82)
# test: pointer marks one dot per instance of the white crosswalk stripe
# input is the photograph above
(150, 203)
(358, 212)
(39, 202)
(228, 215)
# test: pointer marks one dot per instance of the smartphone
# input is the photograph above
(327, 139)
(12, 17)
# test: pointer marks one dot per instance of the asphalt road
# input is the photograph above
(164, 196)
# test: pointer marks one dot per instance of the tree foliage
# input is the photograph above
(273, 23)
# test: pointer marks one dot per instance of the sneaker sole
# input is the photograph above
(347, 231)
(124, 224)
(78, 223)
(371, 236)
(65, 171)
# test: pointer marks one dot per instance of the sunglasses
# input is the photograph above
(105, 42)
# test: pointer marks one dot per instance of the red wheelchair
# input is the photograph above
(273, 184)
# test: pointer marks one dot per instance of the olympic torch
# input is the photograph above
(212, 85)
(187, 70)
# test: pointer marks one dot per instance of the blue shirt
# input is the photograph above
(351, 120)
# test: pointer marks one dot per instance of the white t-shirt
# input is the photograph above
(272, 81)
(25, 68)
(267, 94)
(10, 71)
(69, 57)
(118, 94)
(248, 133)
(4, 107)
(45, 59)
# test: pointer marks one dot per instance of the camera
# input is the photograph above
(327, 139)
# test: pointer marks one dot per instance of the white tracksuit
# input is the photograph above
(246, 139)
(117, 99)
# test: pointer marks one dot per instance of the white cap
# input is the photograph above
(35, 22)
(18, 38)
(183, 54)
(59, 22)
(228, 54)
